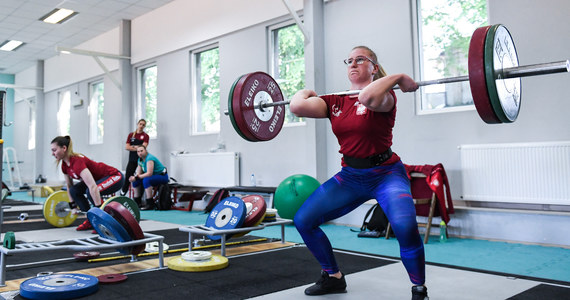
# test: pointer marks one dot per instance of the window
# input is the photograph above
(32, 124)
(445, 28)
(95, 111)
(207, 90)
(288, 62)
(147, 80)
(63, 113)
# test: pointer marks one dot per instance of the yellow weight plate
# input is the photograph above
(216, 262)
(55, 210)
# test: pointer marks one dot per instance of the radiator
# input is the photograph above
(217, 169)
(536, 173)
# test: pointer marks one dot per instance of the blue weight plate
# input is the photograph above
(228, 214)
(59, 286)
(109, 228)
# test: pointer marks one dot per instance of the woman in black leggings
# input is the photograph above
(134, 139)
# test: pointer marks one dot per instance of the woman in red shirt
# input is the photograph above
(134, 139)
(363, 126)
(95, 178)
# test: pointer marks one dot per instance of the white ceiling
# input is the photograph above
(19, 20)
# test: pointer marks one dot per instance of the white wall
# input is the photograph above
(65, 69)
(181, 23)
(27, 77)
(112, 148)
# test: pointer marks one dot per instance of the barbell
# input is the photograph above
(255, 102)
(57, 211)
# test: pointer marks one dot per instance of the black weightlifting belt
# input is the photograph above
(368, 162)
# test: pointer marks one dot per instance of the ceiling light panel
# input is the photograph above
(58, 16)
(10, 45)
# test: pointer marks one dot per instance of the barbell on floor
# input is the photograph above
(57, 210)
(255, 102)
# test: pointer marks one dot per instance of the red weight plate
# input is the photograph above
(250, 90)
(126, 219)
(86, 255)
(255, 215)
(476, 62)
(111, 278)
(255, 212)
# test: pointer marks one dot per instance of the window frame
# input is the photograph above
(32, 120)
(195, 108)
(140, 104)
(90, 86)
(418, 56)
(273, 63)
(60, 99)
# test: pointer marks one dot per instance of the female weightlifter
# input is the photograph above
(95, 178)
(363, 126)
(135, 138)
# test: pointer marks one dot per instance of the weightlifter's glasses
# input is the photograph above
(359, 60)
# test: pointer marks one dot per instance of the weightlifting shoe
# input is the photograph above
(419, 292)
(84, 226)
(327, 285)
(149, 206)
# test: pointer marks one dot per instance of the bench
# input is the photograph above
(204, 230)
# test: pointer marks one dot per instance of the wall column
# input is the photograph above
(313, 13)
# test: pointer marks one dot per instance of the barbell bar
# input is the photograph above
(255, 102)
(513, 72)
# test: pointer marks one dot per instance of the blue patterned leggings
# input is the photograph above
(347, 190)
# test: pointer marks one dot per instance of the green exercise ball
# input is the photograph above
(292, 192)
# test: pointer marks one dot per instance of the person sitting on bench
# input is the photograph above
(150, 173)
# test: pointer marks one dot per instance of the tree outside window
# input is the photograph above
(288, 48)
(148, 98)
(96, 110)
(207, 104)
(446, 27)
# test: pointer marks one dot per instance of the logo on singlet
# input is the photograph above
(360, 109)
(336, 111)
